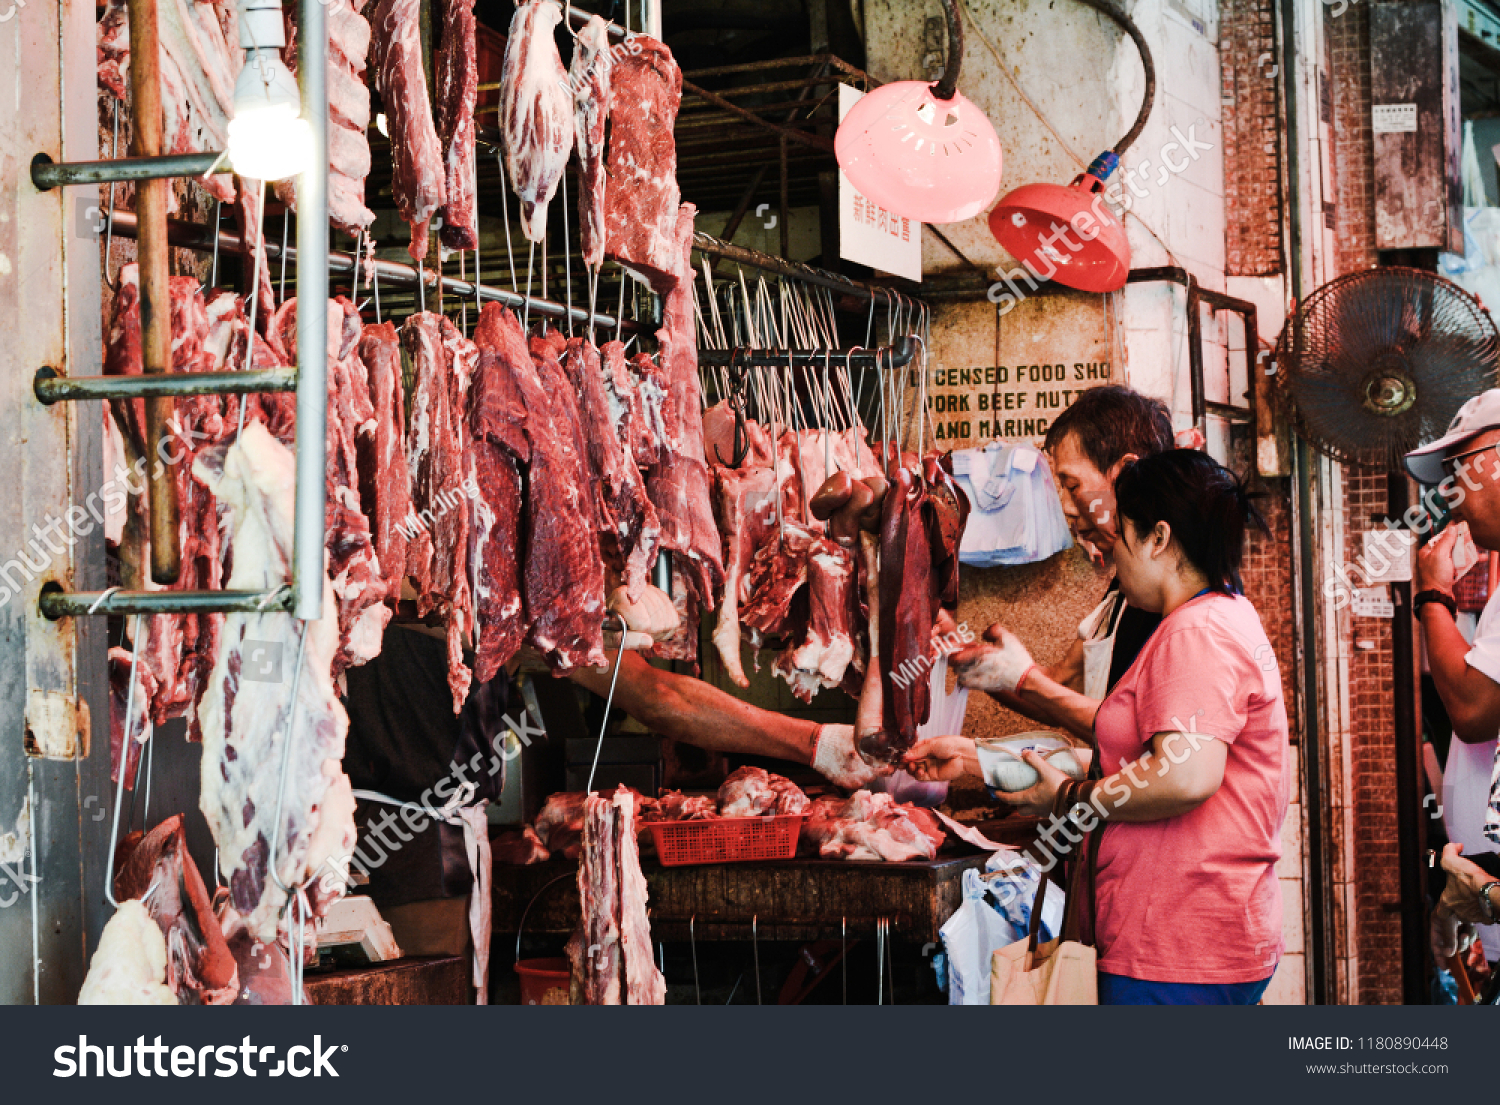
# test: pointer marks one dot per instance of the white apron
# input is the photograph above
(1097, 631)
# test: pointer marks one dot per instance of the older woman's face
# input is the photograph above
(1141, 565)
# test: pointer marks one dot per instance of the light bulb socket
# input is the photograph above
(262, 26)
(1104, 165)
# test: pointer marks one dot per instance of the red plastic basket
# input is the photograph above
(726, 839)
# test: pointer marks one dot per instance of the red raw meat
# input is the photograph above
(908, 606)
(871, 827)
(590, 77)
(629, 529)
(755, 792)
(441, 465)
(679, 485)
(642, 196)
(457, 91)
(385, 482)
(822, 657)
(417, 179)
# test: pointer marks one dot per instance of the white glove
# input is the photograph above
(993, 667)
(836, 758)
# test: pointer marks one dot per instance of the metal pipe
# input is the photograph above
(948, 85)
(52, 388)
(47, 174)
(312, 326)
(75, 604)
(155, 284)
(1195, 353)
(816, 141)
(199, 237)
(706, 243)
(897, 356)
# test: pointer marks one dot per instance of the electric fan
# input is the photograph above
(1374, 363)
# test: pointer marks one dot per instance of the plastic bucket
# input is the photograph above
(544, 981)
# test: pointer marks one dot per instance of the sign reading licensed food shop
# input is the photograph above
(1015, 402)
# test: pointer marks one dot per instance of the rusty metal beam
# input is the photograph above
(156, 304)
(817, 142)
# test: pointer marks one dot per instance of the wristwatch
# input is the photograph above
(1442, 598)
(1490, 913)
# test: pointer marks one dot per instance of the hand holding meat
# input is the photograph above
(836, 757)
(998, 665)
(941, 759)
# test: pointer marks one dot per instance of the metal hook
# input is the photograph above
(738, 379)
(693, 944)
(609, 701)
(755, 951)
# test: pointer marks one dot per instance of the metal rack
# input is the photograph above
(304, 595)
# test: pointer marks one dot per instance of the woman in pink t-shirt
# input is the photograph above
(1193, 746)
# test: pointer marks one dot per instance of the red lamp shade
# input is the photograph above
(1065, 234)
(932, 160)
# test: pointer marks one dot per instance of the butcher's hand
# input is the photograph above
(839, 761)
(999, 664)
(1435, 567)
(1450, 936)
(941, 759)
(1465, 879)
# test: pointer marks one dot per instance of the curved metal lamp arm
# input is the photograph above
(948, 84)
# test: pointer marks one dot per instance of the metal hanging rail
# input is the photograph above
(303, 596)
(895, 356)
(200, 238)
(52, 388)
(47, 174)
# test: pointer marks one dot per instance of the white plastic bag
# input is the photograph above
(970, 937)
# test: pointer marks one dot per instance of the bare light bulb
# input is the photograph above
(268, 138)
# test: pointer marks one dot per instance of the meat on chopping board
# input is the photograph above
(629, 529)
(418, 177)
(246, 722)
(869, 826)
(642, 197)
(536, 112)
(679, 485)
(589, 76)
(457, 92)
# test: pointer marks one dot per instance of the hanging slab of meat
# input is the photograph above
(418, 175)
(113, 49)
(907, 607)
(823, 656)
(871, 827)
(778, 573)
(442, 469)
(945, 514)
(245, 721)
(497, 420)
(629, 529)
(589, 76)
(358, 579)
(384, 480)
(129, 967)
(642, 196)
(679, 486)
(157, 869)
(748, 518)
(348, 120)
(611, 953)
(457, 65)
(536, 112)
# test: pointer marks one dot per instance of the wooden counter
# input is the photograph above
(798, 899)
(425, 980)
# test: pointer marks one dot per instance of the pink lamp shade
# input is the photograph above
(933, 160)
(1064, 234)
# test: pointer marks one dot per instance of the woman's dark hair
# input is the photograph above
(1204, 503)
